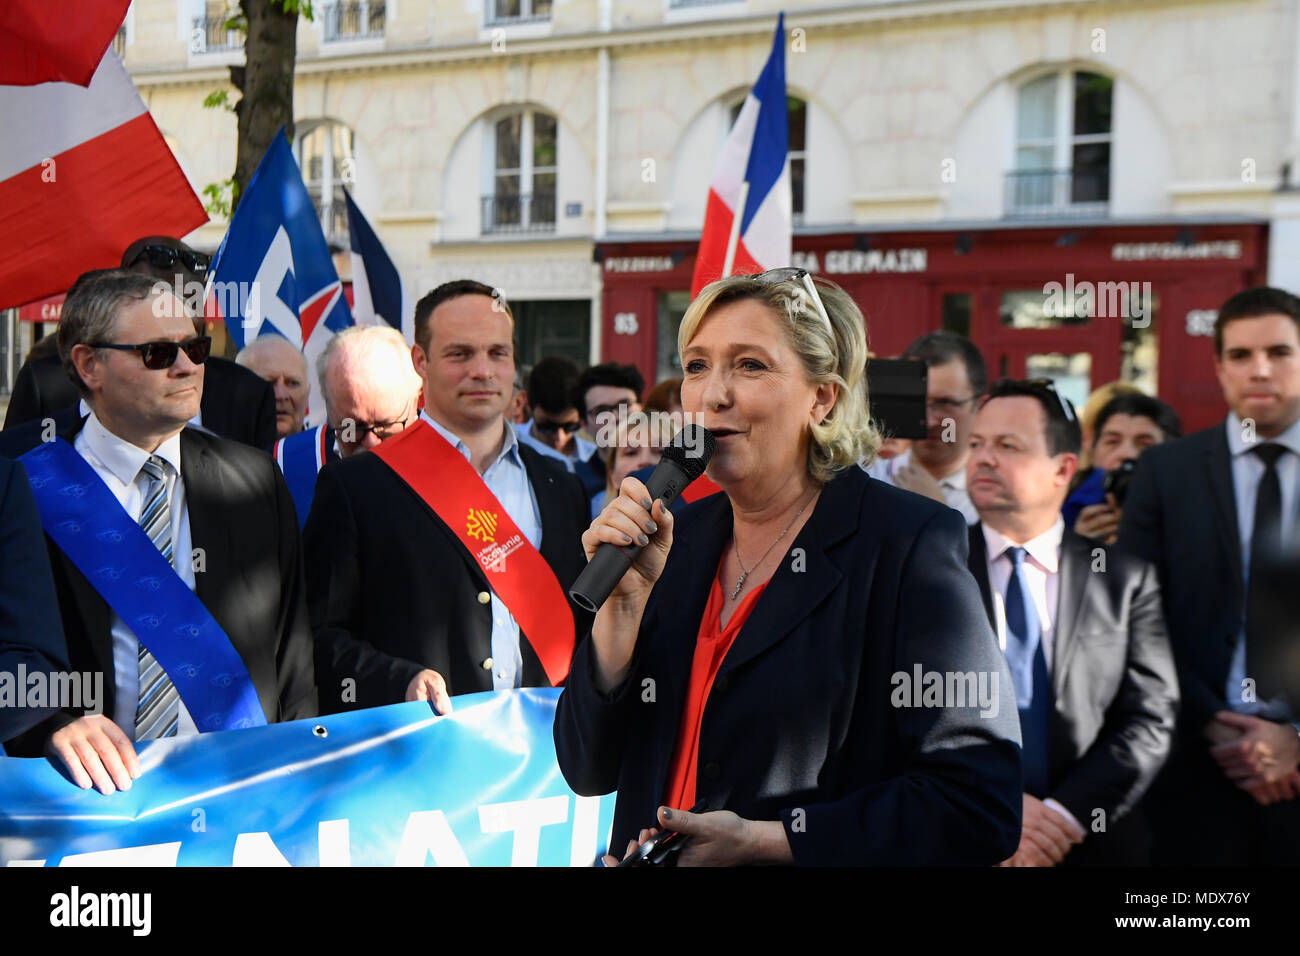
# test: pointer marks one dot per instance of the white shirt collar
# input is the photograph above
(509, 447)
(1237, 444)
(1044, 549)
(121, 457)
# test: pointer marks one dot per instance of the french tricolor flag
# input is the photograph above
(749, 217)
(84, 172)
(378, 292)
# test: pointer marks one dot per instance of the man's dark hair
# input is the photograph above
(939, 348)
(1063, 434)
(445, 293)
(1252, 304)
(90, 312)
(1166, 418)
(551, 385)
(611, 374)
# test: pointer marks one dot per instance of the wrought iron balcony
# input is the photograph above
(505, 12)
(352, 20)
(504, 214)
(1042, 193)
(210, 35)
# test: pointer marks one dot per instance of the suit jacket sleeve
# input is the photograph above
(1142, 532)
(31, 632)
(960, 797)
(1139, 728)
(334, 599)
(295, 655)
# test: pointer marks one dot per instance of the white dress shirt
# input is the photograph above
(1043, 577)
(954, 486)
(507, 479)
(1247, 472)
(118, 464)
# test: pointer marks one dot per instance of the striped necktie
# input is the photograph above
(157, 711)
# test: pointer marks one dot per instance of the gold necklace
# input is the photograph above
(744, 572)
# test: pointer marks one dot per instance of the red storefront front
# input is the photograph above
(1083, 304)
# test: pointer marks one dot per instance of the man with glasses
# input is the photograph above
(130, 496)
(236, 403)
(555, 423)
(439, 562)
(605, 396)
(935, 466)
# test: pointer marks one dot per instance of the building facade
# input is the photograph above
(1076, 185)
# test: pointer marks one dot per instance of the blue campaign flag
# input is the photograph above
(273, 273)
(388, 786)
(378, 292)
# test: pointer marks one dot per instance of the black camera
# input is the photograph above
(1118, 479)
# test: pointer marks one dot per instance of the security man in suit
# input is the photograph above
(175, 553)
(1083, 634)
(1206, 510)
(439, 562)
(237, 403)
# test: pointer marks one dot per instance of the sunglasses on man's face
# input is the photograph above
(164, 257)
(552, 428)
(161, 355)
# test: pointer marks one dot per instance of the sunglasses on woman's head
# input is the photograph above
(161, 355)
(164, 257)
(803, 279)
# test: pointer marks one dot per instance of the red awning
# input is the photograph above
(42, 310)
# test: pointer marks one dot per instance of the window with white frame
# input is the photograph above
(1063, 144)
(325, 154)
(517, 11)
(797, 121)
(352, 20)
(523, 150)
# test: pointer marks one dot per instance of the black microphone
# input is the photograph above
(683, 461)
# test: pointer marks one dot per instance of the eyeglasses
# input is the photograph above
(552, 428)
(160, 355)
(164, 257)
(357, 431)
(804, 280)
(1066, 409)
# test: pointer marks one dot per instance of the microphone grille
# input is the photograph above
(691, 450)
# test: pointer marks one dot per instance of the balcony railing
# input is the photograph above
(210, 35)
(353, 20)
(1040, 193)
(501, 12)
(119, 42)
(518, 214)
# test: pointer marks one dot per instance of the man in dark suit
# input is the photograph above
(237, 403)
(1082, 631)
(31, 636)
(217, 510)
(1204, 510)
(400, 608)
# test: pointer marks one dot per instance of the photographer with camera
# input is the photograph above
(1126, 426)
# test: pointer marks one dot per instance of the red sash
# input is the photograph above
(516, 571)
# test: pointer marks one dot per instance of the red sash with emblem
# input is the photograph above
(518, 574)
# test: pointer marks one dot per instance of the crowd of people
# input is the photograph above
(1037, 636)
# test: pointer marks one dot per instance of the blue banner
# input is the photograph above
(388, 786)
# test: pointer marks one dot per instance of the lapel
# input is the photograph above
(978, 562)
(792, 595)
(1218, 462)
(1072, 583)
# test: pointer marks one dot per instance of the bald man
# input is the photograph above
(279, 362)
(371, 392)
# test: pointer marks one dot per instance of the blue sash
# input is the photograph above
(301, 457)
(90, 526)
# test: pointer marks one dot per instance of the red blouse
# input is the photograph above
(711, 646)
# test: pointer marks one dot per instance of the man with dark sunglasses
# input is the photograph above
(153, 529)
(236, 404)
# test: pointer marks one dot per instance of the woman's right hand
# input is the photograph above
(630, 519)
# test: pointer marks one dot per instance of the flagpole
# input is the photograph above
(733, 240)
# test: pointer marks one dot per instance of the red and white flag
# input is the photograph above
(84, 172)
(44, 41)
(748, 223)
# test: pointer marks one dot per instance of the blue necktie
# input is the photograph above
(1028, 666)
